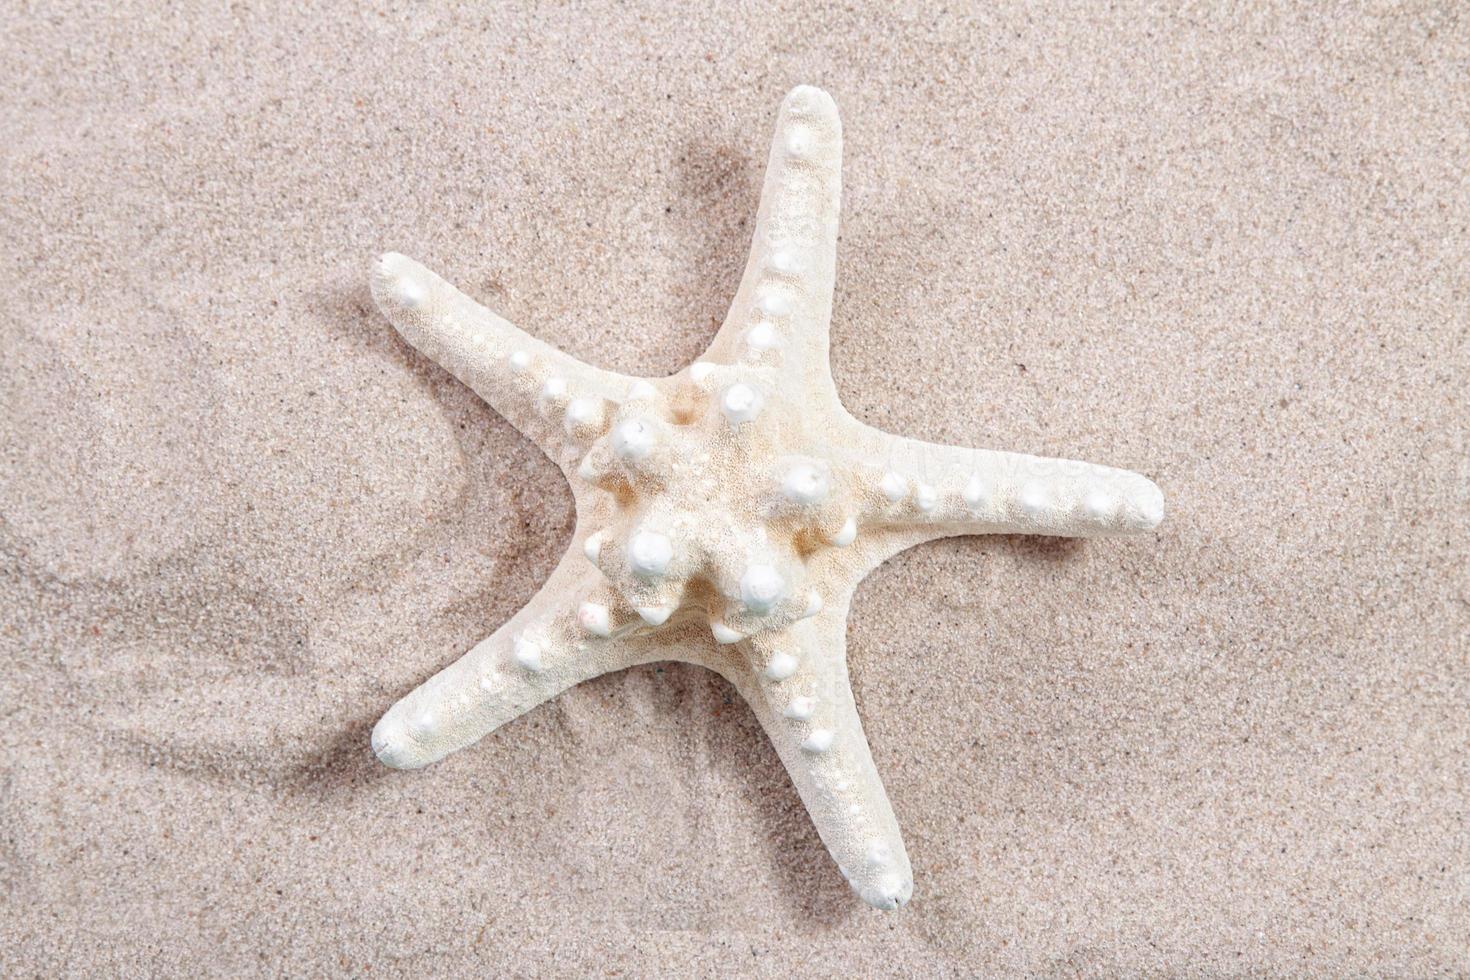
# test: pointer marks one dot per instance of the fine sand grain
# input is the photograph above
(239, 517)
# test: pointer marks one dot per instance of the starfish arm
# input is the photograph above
(782, 310)
(937, 490)
(560, 638)
(802, 697)
(554, 399)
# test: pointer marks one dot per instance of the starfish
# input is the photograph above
(726, 514)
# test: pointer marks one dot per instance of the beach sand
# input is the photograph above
(239, 517)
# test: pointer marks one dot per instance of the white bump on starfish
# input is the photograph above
(786, 261)
(975, 493)
(709, 493)
(593, 617)
(782, 666)
(894, 486)
(820, 740)
(773, 303)
(741, 403)
(526, 653)
(1099, 504)
(1033, 499)
(649, 554)
(633, 439)
(410, 293)
(762, 336)
(846, 534)
(583, 413)
(592, 547)
(805, 484)
(656, 615)
(924, 497)
(801, 708)
(761, 587)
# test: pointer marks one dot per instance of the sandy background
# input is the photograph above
(241, 518)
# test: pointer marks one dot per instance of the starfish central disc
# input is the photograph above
(699, 447)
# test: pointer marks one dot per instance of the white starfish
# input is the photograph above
(726, 514)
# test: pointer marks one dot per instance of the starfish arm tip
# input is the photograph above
(393, 745)
(812, 97)
(1129, 503)
(398, 282)
(887, 893)
(1150, 501)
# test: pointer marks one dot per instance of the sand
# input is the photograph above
(239, 517)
